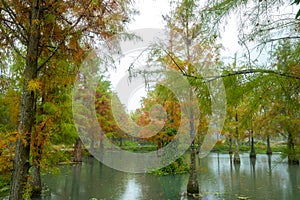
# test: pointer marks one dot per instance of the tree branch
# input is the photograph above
(12, 44)
(249, 71)
(181, 70)
(21, 29)
(234, 73)
(49, 57)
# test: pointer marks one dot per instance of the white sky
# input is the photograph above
(150, 16)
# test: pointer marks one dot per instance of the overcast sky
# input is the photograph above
(150, 16)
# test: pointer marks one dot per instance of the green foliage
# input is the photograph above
(176, 167)
(297, 2)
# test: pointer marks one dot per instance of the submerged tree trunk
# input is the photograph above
(269, 150)
(230, 145)
(36, 183)
(193, 186)
(78, 150)
(101, 145)
(236, 157)
(28, 110)
(121, 141)
(292, 157)
(252, 152)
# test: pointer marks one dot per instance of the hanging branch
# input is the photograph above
(234, 73)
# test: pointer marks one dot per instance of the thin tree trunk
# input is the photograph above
(292, 158)
(101, 145)
(236, 157)
(28, 110)
(36, 183)
(121, 141)
(78, 150)
(193, 186)
(36, 152)
(252, 153)
(230, 145)
(37, 145)
(92, 147)
(269, 150)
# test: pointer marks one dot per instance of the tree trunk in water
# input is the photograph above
(36, 152)
(193, 186)
(20, 170)
(230, 146)
(159, 149)
(292, 157)
(252, 153)
(101, 146)
(36, 182)
(121, 141)
(78, 150)
(236, 157)
(28, 110)
(269, 150)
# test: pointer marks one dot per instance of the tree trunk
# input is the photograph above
(230, 146)
(92, 147)
(36, 152)
(193, 186)
(236, 157)
(78, 150)
(269, 150)
(292, 157)
(121, 141)
(101, 146)
(252, 153)
(36, 183)
(28, 110)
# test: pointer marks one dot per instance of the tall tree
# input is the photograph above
(44, 30)
(192, 52)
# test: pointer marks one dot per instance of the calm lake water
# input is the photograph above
(266, 178)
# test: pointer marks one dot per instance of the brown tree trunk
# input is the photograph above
(78, 150)
(28, 110)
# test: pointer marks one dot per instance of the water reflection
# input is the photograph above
(132, 191)
(266, 177)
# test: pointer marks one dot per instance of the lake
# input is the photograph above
(264, 178)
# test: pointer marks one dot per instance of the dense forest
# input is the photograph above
(45, 43)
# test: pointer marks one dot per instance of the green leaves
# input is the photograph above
(297, 2)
